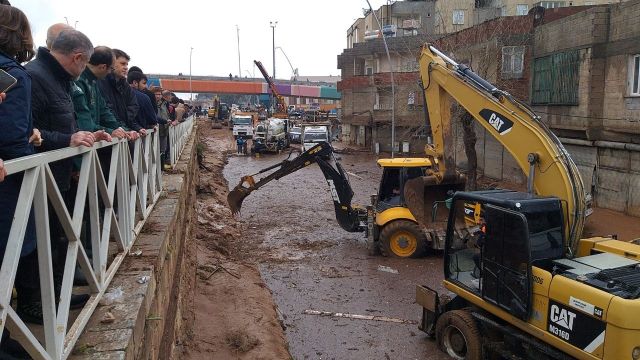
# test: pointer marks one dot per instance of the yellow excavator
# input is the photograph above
(526, 286)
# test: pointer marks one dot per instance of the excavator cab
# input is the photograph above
(518, 231)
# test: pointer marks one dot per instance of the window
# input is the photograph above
(522, 9)
(555, 79)
(369, 71)
(551, 4)
(634, 75)
(512, 61)
(458, 17)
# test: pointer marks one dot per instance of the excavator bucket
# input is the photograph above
(237, 195)
(422, 193)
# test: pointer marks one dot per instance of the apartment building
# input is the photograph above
(456, 15)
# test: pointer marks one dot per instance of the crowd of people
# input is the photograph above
(67, 94)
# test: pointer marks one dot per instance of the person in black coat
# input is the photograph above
(120, 97)
(52, 74)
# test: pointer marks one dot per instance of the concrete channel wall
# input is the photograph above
(148, 318)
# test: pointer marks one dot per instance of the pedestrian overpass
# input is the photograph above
(216, 85)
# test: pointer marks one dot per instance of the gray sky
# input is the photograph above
(158, 34)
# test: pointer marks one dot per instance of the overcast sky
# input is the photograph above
(158, 34)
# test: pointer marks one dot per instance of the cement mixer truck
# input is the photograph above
(271, 135)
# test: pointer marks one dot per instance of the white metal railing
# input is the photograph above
(178, 136)
(133, 179)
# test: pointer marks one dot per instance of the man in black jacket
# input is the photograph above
(52, 74)
(119, 96)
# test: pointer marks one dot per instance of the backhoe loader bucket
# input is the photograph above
(421, 193)
(237, 195)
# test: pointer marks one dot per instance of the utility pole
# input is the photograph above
(238, 35)
(273, 37)
(190, 84)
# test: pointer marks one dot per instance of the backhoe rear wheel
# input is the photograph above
(402, 238)
(458, 336)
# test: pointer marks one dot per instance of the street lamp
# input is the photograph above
(238, 35)
(273, 37)
(190, 84)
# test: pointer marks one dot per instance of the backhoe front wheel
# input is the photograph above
(458, 336)
(402, 238)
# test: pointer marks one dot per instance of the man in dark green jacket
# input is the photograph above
(92, 112)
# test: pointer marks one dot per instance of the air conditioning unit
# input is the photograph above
(374, 34)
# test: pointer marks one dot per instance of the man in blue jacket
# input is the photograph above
(147, 116)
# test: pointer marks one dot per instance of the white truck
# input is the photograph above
(242, 126)
(314, 133)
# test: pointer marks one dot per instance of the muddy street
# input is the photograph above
(310, 263)
(266, 275)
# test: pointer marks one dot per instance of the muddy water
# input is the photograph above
(310, 263)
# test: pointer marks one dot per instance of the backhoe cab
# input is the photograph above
(401, 231)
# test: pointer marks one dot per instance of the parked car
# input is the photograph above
(294, 134)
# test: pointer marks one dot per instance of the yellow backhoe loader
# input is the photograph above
(390, 226)
(526, 286)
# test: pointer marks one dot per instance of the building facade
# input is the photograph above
(578, 66)
(585, 86)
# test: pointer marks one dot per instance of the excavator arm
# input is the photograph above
(538, 152)
(350, 218)
(280, 104)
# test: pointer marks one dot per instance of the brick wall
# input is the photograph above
(621, 111)
(625, 21)
(573, 32)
